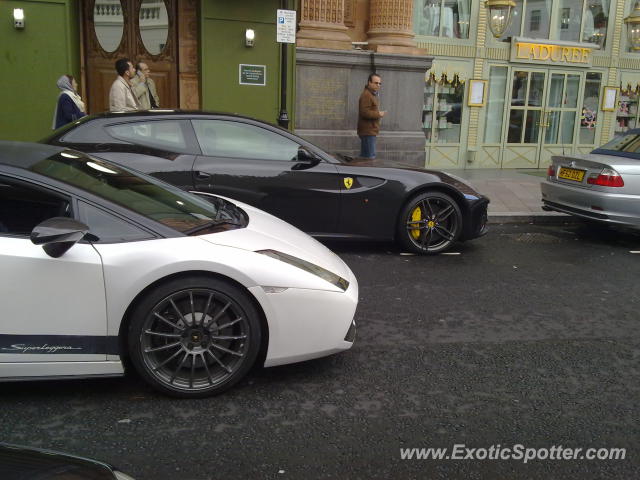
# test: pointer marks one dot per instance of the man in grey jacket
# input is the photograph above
(121, 97)
(144, 87)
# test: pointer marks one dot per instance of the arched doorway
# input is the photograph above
(141, 30)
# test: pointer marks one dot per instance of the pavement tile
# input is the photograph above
(515, 195)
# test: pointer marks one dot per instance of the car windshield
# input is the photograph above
(628, 143)
(142, 194)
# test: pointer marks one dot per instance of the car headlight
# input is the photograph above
(309, 267)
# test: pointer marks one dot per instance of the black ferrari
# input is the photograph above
(325, 195)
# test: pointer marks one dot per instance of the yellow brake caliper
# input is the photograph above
(416, 216)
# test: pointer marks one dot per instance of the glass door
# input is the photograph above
(543, 117)
(560, 115)
(526, 108)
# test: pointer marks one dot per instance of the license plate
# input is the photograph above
(571, 174)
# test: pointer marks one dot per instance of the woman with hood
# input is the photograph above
(70, 106)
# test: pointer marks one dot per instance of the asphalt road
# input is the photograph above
(529, 336)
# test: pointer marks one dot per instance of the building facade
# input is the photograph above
(509, 102)
(561, 79)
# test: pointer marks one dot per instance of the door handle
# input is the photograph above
(202, 175)
(544, 120)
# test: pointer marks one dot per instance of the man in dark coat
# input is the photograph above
(369, 116)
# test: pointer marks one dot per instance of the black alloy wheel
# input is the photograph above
(430, 223)
(194, 337)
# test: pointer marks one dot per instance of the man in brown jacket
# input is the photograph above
(369, 116)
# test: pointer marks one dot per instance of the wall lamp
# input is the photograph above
(633, 28)
(18, 18)
(500, 15)
(249, 37)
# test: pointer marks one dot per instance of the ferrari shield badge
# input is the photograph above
(348, 182)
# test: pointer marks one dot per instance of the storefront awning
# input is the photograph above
(630, 81)
(447, 70)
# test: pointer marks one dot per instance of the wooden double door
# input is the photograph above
(140, 30)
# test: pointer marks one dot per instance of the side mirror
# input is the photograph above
(58, 234)
(305, 160)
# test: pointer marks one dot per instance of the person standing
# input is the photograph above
(144, 88)
(70, 106)
(121, 97)
(369, 116)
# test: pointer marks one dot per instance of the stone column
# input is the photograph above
(391, 27)
(322, 25)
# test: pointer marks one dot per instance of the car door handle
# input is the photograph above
(202, 175)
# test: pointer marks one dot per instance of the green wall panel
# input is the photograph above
(31, 61)
(222, 36)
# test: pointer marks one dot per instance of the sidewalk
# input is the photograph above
(514, 194)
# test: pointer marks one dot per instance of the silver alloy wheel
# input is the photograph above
(195, 339)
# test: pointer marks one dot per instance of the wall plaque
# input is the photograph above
(252, 74)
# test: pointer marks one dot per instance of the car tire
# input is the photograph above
(194, 337)
(430, 223)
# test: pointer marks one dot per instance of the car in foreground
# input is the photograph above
(28, 463)
(100, 263)
(602, 186)
(327, 196)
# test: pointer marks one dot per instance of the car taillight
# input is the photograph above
(606, 178)
(551, 172)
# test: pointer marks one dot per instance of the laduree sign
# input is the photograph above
(560, 53)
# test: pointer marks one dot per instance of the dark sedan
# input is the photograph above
(327, 196)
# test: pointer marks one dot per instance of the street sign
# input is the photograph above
(253, 74)
(286, 26)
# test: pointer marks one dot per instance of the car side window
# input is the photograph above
(223, 138)
(23, 206)
(164, 134)
(110, 228)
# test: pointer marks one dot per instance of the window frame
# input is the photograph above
(554, 19)
(470, 32)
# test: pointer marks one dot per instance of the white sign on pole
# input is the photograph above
(286, 26)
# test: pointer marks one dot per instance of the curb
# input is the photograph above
(538, 218)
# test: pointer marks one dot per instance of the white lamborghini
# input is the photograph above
(99, 263)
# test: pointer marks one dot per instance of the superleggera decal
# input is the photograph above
(58, 344)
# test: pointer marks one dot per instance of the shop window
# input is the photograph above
(589, 113)
(577, 20)
(442, 18)
(565, 18)
(627, 111)
(596, 19)
(495, 104)
(535, 24)
(535, 21)
(442, 109)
